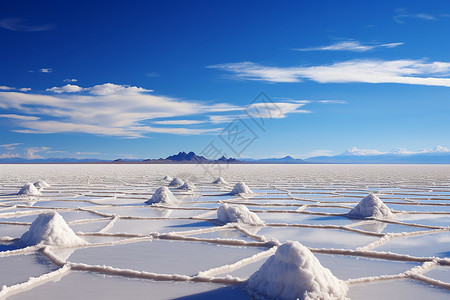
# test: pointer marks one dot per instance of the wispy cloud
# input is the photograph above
(10, 146)
(350, 46)
(8, 88)
(106, 109)
(315, 153)
(68, 88)
(179, 122)
(9, 155)
(87, 153)
(274, 110)
(400, 18)
(19, 117)
(45, 70)
(333, 101)
(18, 24)
(31, 153)
(418, 72)
(70, 80)
(396, 151)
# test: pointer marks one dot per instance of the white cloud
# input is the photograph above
(70, 80)
(350, 46)
(315, 153)
(9, 155)
(361, 152)
(87, 153)
(333, 101)
(8, 88)
(178, 122)
(68, 88)
(18, 24)
(31, 152)
(45, 70)
(400, 18)
(126, 111)
(397, 151)
(19, 117)
(217, 119)
(111, 89)
(104, 110)
(416, 72)
(10, 146)
(274, 110)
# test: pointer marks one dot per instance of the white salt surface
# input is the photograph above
(293, 272)
(304, 203)
(230, 213)
(80, 285)
(29, 190)
(50, 229)
(241, 188)
(371, 206)
(163, 196)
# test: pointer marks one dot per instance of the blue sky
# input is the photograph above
(139, 79)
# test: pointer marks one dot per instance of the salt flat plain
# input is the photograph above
(158, 251)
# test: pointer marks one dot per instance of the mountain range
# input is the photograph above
(437, 155)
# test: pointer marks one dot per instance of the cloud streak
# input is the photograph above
(18, 24)
(417, 72)
(349, 46)
(421, 16)
(107, 109)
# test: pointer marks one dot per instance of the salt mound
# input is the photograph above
(187, 186)
(163, 195)
(293, 272)
(371, 206)
(176, 182)
(168, 178)
(241, 188)
(220, 180)
(40, 185)
(30, 190)
(50, 229)
(237, 213)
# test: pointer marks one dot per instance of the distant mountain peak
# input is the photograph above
(183, 156)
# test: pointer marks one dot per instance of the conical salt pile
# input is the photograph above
(50, 229)
(164, 196)
(293, 272)
(371, 206)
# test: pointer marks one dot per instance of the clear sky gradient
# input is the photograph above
(140, 79)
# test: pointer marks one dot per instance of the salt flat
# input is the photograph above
(178, 249)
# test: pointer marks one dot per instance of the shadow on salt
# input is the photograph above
(161, 226)
(228, 234)
(149, 211)
(402, 289)
(17, 269)
(298, 218)
(441, 273)
(164, 257)
(343, 267)
(84, 285)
